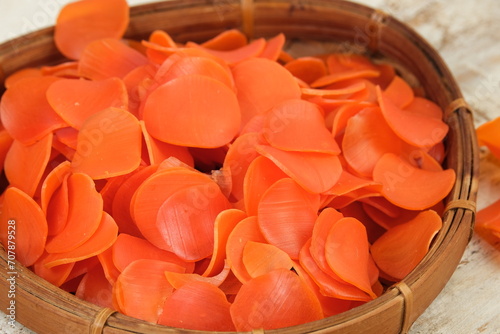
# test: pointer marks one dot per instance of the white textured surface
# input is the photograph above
(466, 33)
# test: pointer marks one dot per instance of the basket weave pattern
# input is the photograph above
(347, 27)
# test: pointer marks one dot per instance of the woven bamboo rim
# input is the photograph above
(47, 309)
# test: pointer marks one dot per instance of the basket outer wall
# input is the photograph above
(46, 309)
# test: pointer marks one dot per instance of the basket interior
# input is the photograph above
(310, 27)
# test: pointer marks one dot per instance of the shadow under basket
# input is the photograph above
(312, 27)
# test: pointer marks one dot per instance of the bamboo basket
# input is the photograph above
(341, 25)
